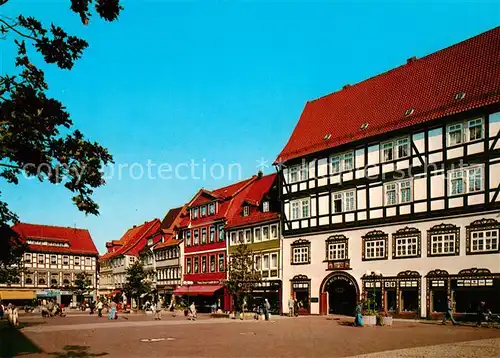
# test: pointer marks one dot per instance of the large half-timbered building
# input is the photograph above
(390, 188)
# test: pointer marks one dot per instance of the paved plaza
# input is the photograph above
(140, 336)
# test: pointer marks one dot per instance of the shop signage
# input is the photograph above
(314, 299)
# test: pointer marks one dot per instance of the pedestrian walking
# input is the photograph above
(358, 321)
(449, 313)
(192, 312)
(100, 305)
(267, 307)
(112, 311)
(158, 310)
(291, 307)
(481, 310)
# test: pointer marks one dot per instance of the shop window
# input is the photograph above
(483, 237)
(301, 252)
(391, 299)
(443, 240)
(439, 301)
(374, 245)
(409, 300)
(301, 292)
(406, 243)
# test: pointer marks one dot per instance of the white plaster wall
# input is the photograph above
(317, 272)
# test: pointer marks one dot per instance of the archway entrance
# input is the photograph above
(339, 293)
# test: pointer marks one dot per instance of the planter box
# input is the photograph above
(386, 321)
(369, 320)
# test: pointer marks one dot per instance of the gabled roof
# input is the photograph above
(227, 195)
(170, 218)
(134, 240)
(254, 194)
(169, 240)
(79, 240)
(427, 86)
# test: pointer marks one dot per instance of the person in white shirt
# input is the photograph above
(99, 308)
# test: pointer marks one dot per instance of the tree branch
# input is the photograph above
(17, 31)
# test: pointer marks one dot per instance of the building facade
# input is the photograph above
(390, 189)
(205, 250)
(54, 257)
(256, 224)
(123, 253)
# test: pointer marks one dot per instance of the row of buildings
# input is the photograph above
(388, 188)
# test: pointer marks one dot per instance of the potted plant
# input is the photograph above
(369, 316)
(383, 319)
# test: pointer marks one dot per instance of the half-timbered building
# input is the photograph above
(390, 188)
(202, 231)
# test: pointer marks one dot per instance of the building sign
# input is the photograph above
(314, 299)
(339, 265)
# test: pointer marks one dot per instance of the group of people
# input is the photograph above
(293, 307)
(11, 312)
(51, 308)
(482, 312)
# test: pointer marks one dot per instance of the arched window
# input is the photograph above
(41, 281)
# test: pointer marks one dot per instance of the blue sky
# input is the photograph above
(215, 82)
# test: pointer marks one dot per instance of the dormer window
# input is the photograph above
(195, 213)
(265, 206)
(246, 210)
(203, 211)
(211, 209)
(150, 242)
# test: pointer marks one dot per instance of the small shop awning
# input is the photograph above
(16, 295)
(197, 290)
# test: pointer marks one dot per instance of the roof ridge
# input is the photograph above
(52, 226)
(404, 65)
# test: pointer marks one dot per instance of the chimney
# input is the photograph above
(346, 86)
(260, 174)
(411, 59)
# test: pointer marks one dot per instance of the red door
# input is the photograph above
(323, 303)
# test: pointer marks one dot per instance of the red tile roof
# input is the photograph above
(170, 218)
(253, 194)
(79, 240)
(169, 240)
(427, 85)
(134, 240)
(226, 197)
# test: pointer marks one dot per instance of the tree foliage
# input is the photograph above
(37, 138)
(243, 278)
(82, 284)
(138, 282)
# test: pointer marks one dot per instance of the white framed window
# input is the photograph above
(188, 266)
(53, 259)
(258, 262)
(195, 213)
(211, 209)
(395, 149)
(342, 162)
(41, 258)
(484, 241)
(274, 261)
(265, 262)
(300, 255)
(257, 236)
(344, 201)
(466, 180)
(196, 234)
(203, 210)
(467, 131)
(375, 249)
(188, 238)
(212, 234)
(246, 210)
(265, 233)
(406, 246)
(27, 258)
(265, 206)
(300, 208)
(248, 236)
(212, 263)
(398, 192)
(203, 264)
(298, 173)
(204, 235)
(233, 238)
(337, 251)
(65, 260)
(274, 231)
(221, 263)
(443, 244)
(241, 239)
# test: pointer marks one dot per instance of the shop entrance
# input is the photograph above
(343, 294)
